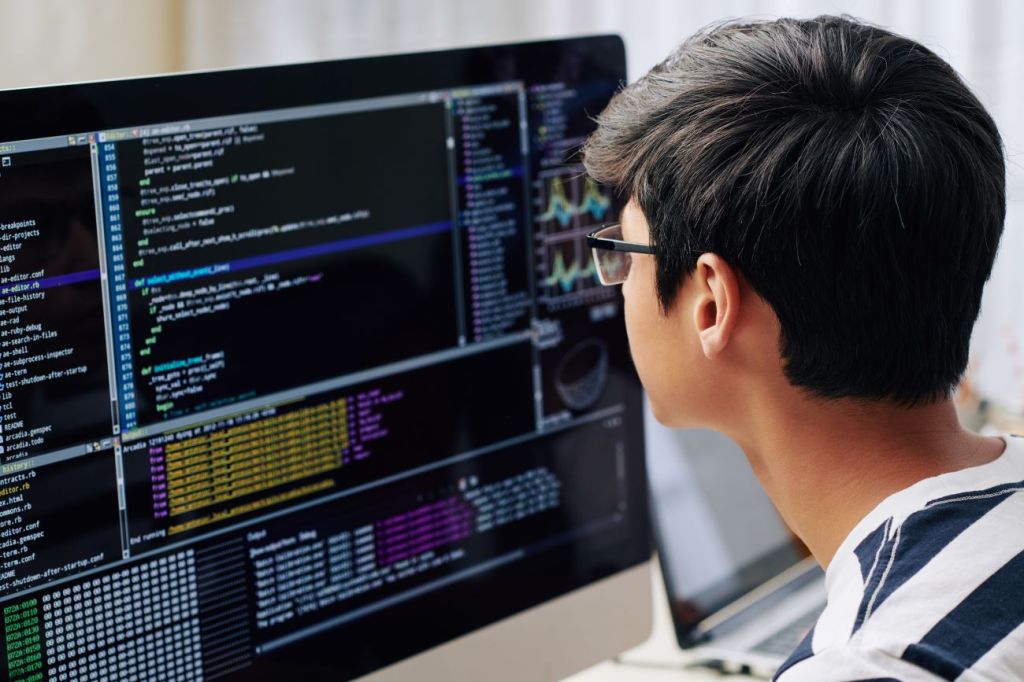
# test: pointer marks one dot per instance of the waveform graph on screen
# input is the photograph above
(571, 202)
(570, 270)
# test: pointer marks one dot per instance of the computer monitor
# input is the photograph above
(306, 372)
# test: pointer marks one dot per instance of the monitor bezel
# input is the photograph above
(44, 111)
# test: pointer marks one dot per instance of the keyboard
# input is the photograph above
(783, 641)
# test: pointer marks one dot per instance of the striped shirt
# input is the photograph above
(928, 586)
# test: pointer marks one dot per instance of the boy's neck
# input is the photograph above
(825, 465)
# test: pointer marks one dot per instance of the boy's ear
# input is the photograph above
(716, 307)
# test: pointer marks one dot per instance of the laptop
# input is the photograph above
(743, 591)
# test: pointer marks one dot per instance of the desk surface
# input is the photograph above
(657, 659)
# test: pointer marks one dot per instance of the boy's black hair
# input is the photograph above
(847, 172)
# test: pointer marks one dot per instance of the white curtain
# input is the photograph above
(62, 40)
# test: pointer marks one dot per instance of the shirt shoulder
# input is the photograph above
(848, 663)
(931, 588)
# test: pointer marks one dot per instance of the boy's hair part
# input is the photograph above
(848, 174)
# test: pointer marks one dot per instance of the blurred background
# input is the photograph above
(55, 41)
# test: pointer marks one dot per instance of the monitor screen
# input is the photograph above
(306, 368)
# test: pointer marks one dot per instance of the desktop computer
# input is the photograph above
(306, 373)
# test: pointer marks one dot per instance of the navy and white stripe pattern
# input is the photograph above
(928, 586)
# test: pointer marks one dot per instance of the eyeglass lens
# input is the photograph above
(612, 266)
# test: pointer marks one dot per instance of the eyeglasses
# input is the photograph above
(612, 254)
